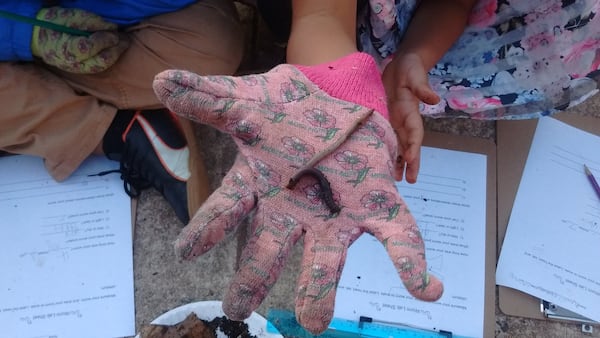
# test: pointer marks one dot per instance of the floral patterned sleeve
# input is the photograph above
(516, 58)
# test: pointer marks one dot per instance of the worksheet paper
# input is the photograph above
(66, 258)
(552, 241)
(449, 203)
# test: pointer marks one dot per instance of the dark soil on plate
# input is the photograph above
(231, 328)
(194, 327)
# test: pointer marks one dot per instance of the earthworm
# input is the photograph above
(326, 194)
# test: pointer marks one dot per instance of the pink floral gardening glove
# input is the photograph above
(314, 161)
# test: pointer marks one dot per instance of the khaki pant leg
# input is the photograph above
(42, 116)
(204, 37)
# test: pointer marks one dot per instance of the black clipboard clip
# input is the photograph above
(553, 311)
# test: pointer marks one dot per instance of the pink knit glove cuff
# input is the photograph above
(353, 78)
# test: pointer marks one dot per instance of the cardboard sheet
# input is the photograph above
(513, 143)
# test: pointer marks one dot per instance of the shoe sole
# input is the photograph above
(198, 185)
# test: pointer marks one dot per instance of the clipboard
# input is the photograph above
(513, 140)
(488, 148)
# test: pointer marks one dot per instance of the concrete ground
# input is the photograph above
(163, 283)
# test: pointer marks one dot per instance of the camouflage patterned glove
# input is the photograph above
(310, 165)
(72, 53)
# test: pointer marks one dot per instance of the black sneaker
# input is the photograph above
(155, 154)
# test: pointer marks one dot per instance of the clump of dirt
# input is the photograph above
(194, 327)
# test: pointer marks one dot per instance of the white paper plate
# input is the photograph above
(208, 310)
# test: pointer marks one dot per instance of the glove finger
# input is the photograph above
(322, 262)
(219, 216)
(262, 260)
(402, 239)
(219, 100)
(84, 48)
(88, 21)
(199, 98)
(76, 18)
(101, 61)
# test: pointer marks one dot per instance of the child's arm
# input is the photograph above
(434, 27)
(321, 31)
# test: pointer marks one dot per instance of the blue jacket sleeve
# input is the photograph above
(15, 37)
(127, 12)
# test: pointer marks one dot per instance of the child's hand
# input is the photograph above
(406, 85)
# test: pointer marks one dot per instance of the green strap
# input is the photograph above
(42, 23)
